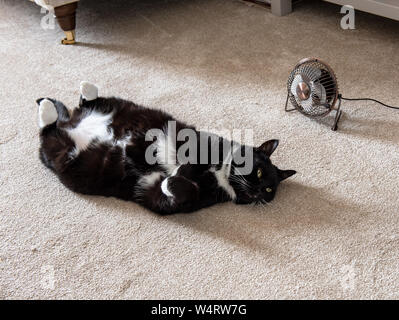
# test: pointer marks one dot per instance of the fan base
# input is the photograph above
(337, 115)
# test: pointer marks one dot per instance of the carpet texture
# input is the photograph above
(333, 229)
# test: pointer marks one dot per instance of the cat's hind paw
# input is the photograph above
(88, 91)
(47, 112)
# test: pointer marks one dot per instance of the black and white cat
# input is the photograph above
(100, 149)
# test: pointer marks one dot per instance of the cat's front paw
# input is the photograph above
(180, 189)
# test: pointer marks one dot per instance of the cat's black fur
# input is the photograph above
(109, 169)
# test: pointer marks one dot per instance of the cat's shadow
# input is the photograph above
(296, 209)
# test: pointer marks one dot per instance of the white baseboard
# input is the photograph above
(385, 8)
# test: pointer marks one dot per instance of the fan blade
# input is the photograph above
(311, 72)
(298, 78)
(319, 91)
(307, 105)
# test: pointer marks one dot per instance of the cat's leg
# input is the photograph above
(47, 112)
(167, 195)
(50, 111)
(210, 192)
(88, 94)
(47, 118)
(181, 192)
(55, 145)
(88, 91)
(89, 99)
(190, 171)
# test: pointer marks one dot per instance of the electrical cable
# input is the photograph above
(368, 99)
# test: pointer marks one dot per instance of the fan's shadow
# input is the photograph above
(384, 130)
(371, 129)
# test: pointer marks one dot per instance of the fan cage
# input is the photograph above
(327, 79)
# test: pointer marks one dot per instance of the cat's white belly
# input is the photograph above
(93, 127)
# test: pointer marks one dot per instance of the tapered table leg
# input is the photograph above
(66, 17)
(281, 7)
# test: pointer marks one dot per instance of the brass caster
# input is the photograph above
(70, 37)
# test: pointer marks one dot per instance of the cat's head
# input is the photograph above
(260, 185)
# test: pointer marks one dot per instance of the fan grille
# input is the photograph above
(324, 87)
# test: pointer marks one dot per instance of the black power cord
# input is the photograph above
(367, 99)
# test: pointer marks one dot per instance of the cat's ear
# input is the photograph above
(268, 147)
(284, 174)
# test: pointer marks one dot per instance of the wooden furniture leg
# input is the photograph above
(281, 7)
(66, 17)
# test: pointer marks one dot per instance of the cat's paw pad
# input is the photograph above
(47, 112)
(88, 91)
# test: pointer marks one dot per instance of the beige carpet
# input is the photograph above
(332, 231)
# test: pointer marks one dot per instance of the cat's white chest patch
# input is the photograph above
(93, 127)
(166, 153)
(222, 177)
(149, 180)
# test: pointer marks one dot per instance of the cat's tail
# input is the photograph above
(50, 111)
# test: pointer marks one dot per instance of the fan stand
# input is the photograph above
(286, 105)
(338, 113)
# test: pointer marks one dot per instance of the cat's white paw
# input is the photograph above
(88, 91)
(164, 188)
(47, 113)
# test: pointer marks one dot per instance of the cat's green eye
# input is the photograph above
(259, 174)
(269, 190)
